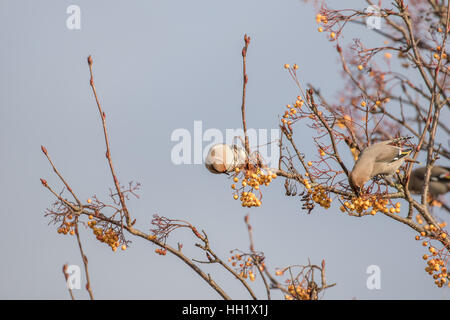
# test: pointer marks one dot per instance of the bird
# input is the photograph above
(224, 158)
(379, 159)
(439, 180)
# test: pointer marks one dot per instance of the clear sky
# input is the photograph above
(160, 66)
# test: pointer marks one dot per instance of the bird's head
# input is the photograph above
(356, 182)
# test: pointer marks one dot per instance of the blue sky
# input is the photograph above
(160, 66)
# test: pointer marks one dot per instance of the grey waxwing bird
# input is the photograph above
(379, 159)
(224, 158)
(439, 180)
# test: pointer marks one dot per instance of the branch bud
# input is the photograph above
(44, 182)
(89, 59)
(247, 39)
(44, 150)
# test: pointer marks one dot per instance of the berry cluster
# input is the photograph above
(437, 260)
(251, 181)
(436, 55)
(291, 113)
(437, 270)
(298, 292)
(161, 252)
(322, 19)
(245, 265)
(318, 194)
(362, 205)
(67, 227)
(296, 289)
(105, 235)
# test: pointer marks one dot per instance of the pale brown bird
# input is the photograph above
(223, 158)
(379, 159)
(439, 180)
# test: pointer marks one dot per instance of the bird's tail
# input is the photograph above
(401, 139)
(445, 176)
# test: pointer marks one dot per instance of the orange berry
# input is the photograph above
(319, 18)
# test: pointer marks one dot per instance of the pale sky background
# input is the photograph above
(159, 66)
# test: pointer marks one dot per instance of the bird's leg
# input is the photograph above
(387, 189)
(378, 181)
(370, 188)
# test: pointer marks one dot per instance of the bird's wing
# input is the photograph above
(387, 153)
